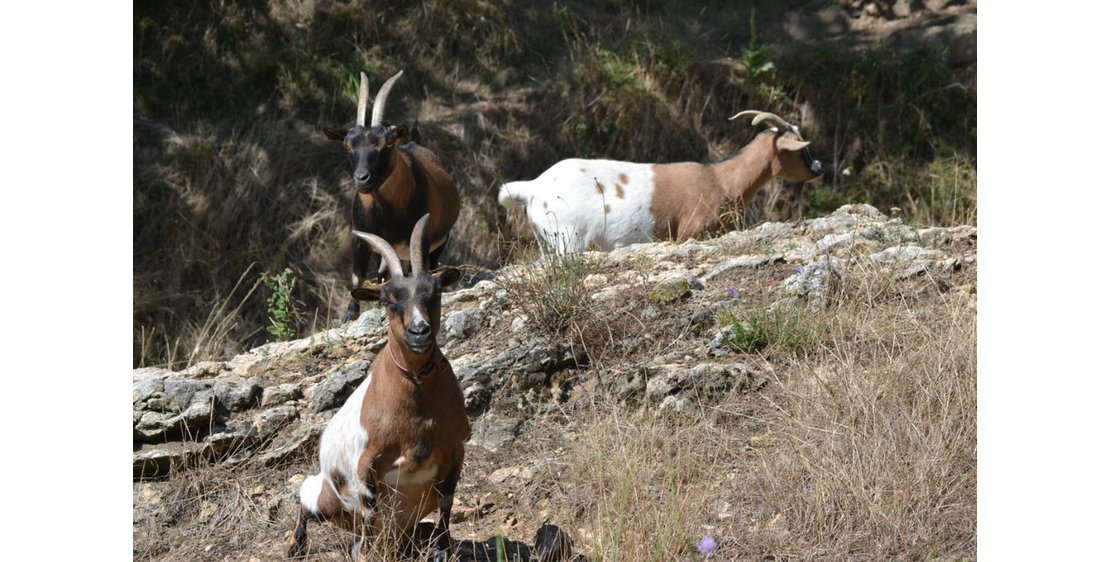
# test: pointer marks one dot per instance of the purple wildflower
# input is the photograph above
(798, 270)
(732, 293)
(707, 546)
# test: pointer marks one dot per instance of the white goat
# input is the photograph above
(577, 203)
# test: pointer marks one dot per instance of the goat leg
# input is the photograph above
(361, 259)
(442, 531)
(297, 542)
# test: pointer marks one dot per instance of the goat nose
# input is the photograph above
(419, 329)
(362, 176)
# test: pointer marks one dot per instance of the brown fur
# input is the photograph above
(414, 416)
(689, 198)
(396, 190)
(404, 416)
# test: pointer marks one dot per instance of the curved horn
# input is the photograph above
(770, 118)
(363, 96)
(779, 122)
(379, 100)
(385, 249)
(416, 245)
(746, 113)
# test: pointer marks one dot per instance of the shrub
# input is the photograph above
(787, 328)
(551, 290)
(280, 304)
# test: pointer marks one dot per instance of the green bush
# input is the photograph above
(280, 304)
(787, 329)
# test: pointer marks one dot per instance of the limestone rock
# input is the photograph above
(461, 324)
(494, 431)
(675, 383)
(235, 394)
(273, 419)
(338, 385)
(280, 394)
(740, 262)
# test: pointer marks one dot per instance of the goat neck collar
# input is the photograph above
(423, 373)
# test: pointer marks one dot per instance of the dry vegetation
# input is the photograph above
(233, 178)
(861, 445)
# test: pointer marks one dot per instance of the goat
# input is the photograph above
(396, 182)
(394, 450)
(608, 204)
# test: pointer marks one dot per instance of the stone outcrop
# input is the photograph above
(272, 403)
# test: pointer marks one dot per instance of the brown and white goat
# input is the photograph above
(394, 450)
(396, 182)
(577, 203)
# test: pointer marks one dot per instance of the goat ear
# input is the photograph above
(400, 134)
(791, 144)
(447, 277)
(334, 134)
(366, 294)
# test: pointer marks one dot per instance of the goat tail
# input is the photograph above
(513, 195)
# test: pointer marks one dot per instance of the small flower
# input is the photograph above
(798, 270)
(707, 546)
(732, 293)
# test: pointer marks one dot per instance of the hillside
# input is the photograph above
(801, 390)
(233, 179)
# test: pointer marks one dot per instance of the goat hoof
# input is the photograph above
(296, 549)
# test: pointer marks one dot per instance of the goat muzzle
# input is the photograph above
(813, 163)
(419, 338)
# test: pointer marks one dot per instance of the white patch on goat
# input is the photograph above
(407, 473)
(417, 317)
(341, 445)
(575, 216)
(310, 492)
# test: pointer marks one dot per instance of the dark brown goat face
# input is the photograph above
(793, 160)
(371, 151)
(412, 305)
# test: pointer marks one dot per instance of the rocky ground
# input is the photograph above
(221, 447)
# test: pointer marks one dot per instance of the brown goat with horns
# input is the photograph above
(394, 450)
(396, 182)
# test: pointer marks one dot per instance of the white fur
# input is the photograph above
(417, 317)
(575, 216)
(310, 491)
(343, 442)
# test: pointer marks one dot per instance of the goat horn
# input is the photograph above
(379, 100)
(770, 118)
(777, 121)
(385, 249)
(746, 113)
(416, 245)
(363, 95)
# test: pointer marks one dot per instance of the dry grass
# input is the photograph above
(230, 167)
(862, 448)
